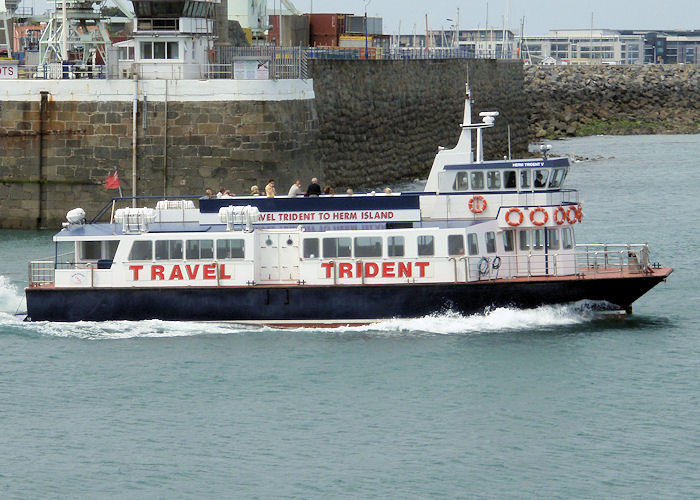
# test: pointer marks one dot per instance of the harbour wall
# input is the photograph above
(352, 124)
(590, 100)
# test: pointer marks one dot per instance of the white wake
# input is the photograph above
(496, 320)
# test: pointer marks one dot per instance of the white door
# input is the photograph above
(289, 257)
(278, 258)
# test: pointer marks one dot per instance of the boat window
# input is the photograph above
(567, 242)
(537, 239)
(311, 248)
(90, 250)
(490, 242)
(509, 179)
(168, 249)
(200, 249)
(493, 179)
(541, 178)
(368, 246)
(557, 177)
(553, 239)
(472, 244)
(426, 245)
(461, 182)
(395, 246)
(509, 240)
(477, 180)
(337, 247)
(524, 237)
(524, 179)
(141, 250)
(230, 249)
(455, 244)
(111, 249)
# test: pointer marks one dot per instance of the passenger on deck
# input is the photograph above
(254, 190)
(314, 188)
(349, 192)
(329, 190)
(208, 194)
(228, 194)
(295, 190)
(270, 189)
(387, 190)
(220, 193)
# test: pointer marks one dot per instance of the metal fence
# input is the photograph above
(274, 63)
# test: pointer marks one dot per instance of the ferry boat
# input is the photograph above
(482, 234)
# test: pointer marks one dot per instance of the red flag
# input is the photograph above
(112, 181)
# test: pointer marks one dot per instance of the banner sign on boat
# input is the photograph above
(339, 216)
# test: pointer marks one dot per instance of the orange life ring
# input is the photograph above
(569, 218)
(520, 215)
(559, 220)
(474, 204)
(539, 222)
(579, 213)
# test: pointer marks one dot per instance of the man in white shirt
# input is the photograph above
(295, 190)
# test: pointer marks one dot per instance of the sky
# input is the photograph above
(540, 15)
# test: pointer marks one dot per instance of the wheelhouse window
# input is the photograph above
(557, 177)
(168, 250)
(90, 250)
(477, 180)
(472, 244)
(200, 249)
(455, 244)
(509, 178)
(567, 242)
(368, 246)
(491, 242)
(509, 240)
(525, 179)
(141, 250)
(230, 249)
(524, 237)
(541, 178)
(310, 248)
(552, 239)
(395, 246)
(337, 247)
(426, 245)
(493, 179)
(461, 182)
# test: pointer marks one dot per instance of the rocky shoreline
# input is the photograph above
(566, 101)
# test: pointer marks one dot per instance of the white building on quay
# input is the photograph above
(600, 46)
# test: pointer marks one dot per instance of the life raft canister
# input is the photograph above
(520, 216)
(539, 222)
(572, 215)
(475, 202)
(559, 215)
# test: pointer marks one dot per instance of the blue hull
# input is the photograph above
(318, 303)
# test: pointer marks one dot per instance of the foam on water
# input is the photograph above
(448, 323)
(10, 297)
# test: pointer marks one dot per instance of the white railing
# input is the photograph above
(43, 271)
(613, 258)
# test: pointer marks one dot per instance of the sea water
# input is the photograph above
(554, 402)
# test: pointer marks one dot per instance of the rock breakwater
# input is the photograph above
(590, 100)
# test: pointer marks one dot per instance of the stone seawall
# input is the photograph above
(380, 121)
(356, 124)
(588, 100)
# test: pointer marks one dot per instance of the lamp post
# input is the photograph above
(366, 4)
